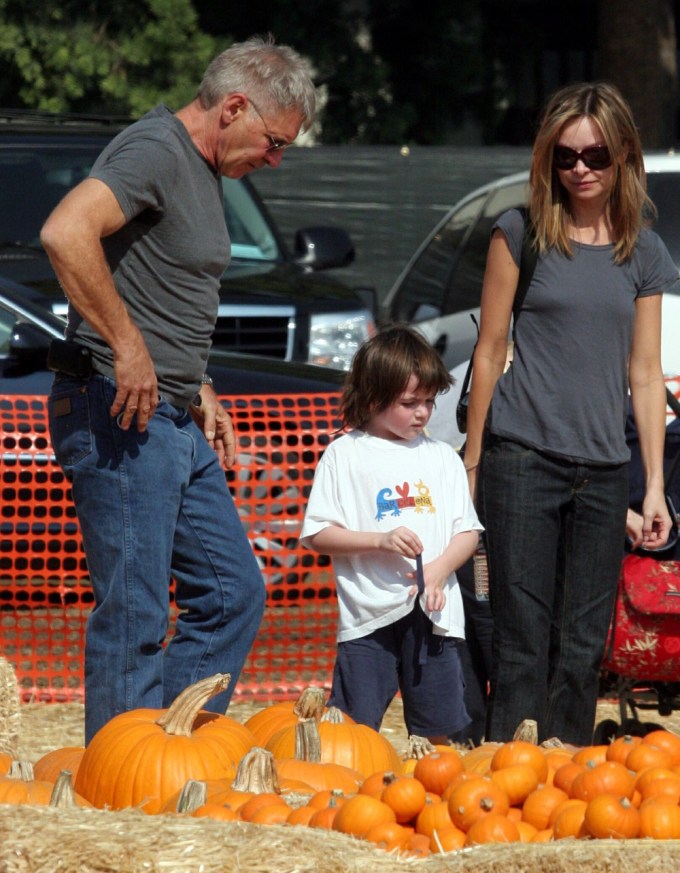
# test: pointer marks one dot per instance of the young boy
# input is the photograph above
(393, 509)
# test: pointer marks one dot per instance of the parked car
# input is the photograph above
(441, 285)
(275, 301)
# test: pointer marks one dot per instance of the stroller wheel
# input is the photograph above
(649, 726)
(605, 732)
(632, 727)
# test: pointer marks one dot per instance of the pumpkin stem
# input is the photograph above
(310, 704)
(418, 747)
(63, 796)
(193, 795)
(527, 731)
(178, 719)
(257, 772)
(308, 741)
(553, 743)
(21, 770)
(333, 715)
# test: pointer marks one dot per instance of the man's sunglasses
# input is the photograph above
(594, 157)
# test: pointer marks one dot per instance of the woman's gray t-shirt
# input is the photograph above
(566, 391)
(168, 259)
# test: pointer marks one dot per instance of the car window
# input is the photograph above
(33, 181)
(465, 286)
(251, 237)
(7, 322)
(664, 189)
(424, 288)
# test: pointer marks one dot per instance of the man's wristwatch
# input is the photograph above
(205, 380)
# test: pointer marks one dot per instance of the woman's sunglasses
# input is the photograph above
(594, 157)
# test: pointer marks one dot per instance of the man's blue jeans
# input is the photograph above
(152, 506)
(555, 534)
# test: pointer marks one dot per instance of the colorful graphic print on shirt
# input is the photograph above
(389, 504)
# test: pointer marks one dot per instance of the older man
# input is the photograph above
(139, 248)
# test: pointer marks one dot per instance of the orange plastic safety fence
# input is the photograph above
(45, 595)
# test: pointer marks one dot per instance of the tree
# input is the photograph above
(638, 54)
(121, 57)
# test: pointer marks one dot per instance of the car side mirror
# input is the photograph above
(320, 248)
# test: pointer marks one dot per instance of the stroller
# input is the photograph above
(641, 666)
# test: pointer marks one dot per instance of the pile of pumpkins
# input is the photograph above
(304, 764)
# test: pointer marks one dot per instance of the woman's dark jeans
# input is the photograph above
(555, 531)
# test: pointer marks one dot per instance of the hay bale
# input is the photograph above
(42, 840)
(10, 717)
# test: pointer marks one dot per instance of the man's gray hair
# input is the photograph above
(275, 76)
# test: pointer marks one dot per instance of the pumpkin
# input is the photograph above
(567, 819)
(418, 846)
(301, 815)
(406, 796)
(610, 816)
(142, 757)
(665, 740)
(518, 781)
(356, 746)
(667, 787)
(565, 775)
(216, 811)
(270, 720)
(20, 786)
(434, 816)
(660, 820)
(610, 777)
(389, 835)
(476, 799)
(521, 752)
(51, 764)
(590, 756)
(645, 755)
(5, 763)
(539, 805)
(620, 747)
(447, 839)
(324, 817)
(375, 783)
(437, 769)
(492, 828)
(274, 813)
(361, 812)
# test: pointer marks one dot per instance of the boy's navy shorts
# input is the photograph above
(370, 670)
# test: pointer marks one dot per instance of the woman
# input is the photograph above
(552, 468)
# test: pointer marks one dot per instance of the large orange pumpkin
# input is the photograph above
(270, 720)
(356, 746)
(140, 758)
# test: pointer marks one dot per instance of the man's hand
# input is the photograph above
(136, 384)
(216, 424)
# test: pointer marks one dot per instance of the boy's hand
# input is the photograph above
(402, 541)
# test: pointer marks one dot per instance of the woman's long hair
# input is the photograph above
(629, 204)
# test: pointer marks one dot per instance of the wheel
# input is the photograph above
(605, 732)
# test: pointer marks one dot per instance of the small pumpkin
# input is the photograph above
(539, 805)
(476, 799)
(517, 780)
(142, 757)
(360, 813)
(492, 828)
(609, 777)
(666, 740)
(434, 816)
(567, 819)
(437, 769)
(660, 820)
(447, 840)
(608, 816)
(389, 836)
(406, 796)
(521, 752)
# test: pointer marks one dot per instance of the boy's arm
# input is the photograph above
(461, 547)
(335, 540)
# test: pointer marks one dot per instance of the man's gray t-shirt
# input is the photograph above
(168, 259)
(566, 391)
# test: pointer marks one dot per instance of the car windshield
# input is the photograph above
(34, 178)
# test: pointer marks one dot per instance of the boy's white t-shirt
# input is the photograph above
(365, 483)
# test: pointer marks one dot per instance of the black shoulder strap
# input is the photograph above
(527, 263)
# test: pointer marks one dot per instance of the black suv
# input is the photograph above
(273, 302)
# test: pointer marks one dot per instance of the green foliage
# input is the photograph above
(119, 57)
